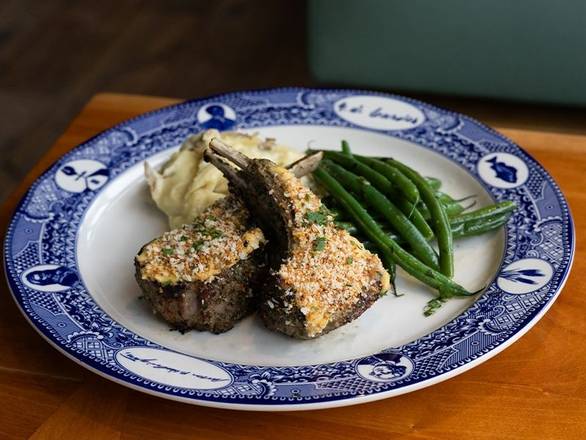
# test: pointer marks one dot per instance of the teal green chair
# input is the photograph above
(525, 50)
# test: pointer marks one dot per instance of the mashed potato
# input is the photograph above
(186, 185)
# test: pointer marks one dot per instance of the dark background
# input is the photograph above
(55, 54)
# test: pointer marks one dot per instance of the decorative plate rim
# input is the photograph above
(264, 379)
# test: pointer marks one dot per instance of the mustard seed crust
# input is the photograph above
(321, 277)
(205, 275)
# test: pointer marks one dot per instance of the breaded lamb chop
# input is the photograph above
(320, 277)
(204, 275)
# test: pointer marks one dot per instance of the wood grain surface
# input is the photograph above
(534, 389)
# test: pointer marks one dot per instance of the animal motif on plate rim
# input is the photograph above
(41, 262)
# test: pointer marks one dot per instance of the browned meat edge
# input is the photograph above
(215, 306)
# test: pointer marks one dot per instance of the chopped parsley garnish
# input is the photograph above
(196, 246)
(319, 217)
(209, 231)
(214, 233)
(433, 305)
(319, 244)
(168, 251)
(199, 226)
(183, 238)
(349, 260)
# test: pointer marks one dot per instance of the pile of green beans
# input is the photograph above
(398, 214)
(381, 204)
(385, 186)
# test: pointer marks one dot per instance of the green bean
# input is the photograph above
(416, 217)
(440, 221)
(395, 176)
(449, 202)
(453, 209)
(377, 201)
(381, 183)
(346, 148)
(351, 164)
(444, 198)
(477, 227)
(414, 214)
(341, 216)
(434, 182)
(480, 226)
(459, 228)
(373, 231)
(462, 230)
(488, 211)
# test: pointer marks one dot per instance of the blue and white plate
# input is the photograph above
(70, 246)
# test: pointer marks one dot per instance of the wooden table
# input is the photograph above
(534, 389)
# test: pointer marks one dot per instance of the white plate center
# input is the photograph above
(123, 218)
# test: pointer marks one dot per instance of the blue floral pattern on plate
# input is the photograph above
(41, 262)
